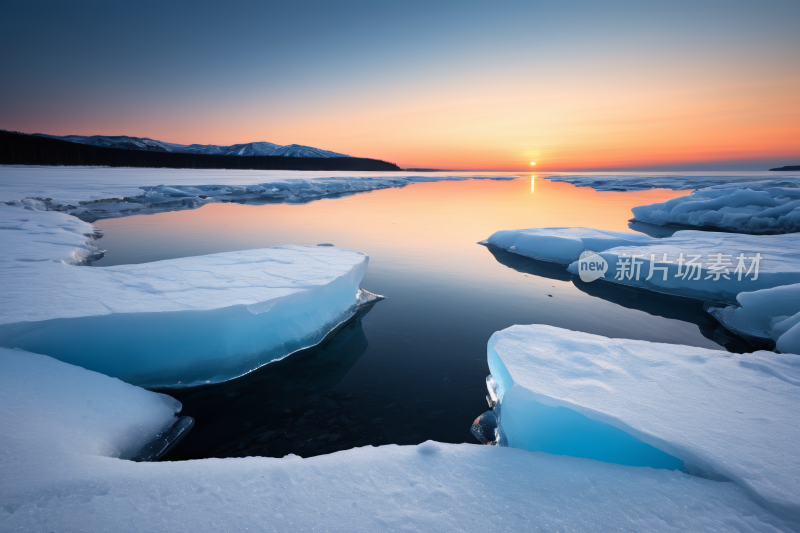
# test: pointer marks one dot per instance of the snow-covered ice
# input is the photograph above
(726, 416)
(100, 192)
(760, 207)
(167, 323)
(563, 245)
(772, 314)
(775, 258)
(64, 429)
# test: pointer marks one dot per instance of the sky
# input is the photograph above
(569, 85)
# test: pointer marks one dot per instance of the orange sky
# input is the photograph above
(636, 119)
(559, 124)
(576, 86)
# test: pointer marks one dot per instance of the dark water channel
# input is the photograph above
(411, 367)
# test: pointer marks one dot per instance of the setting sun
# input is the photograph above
(533, 164)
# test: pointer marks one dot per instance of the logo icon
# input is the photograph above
(591, 266)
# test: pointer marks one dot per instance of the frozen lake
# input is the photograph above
(413, 369)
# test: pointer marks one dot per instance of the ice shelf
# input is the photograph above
(168, 323)
(66, 431)
(726, 416)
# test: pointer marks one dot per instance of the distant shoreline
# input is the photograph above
(21, 149)
(791, 168)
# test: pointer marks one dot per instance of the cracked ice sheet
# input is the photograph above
(102, 192)
(64, 426)
(779, 263)
(723, 414)
(167, 323)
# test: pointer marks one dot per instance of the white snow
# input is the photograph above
(63, 429)
(766, 314)
(631, 255)
(761, 207)
(167, 323)
(101, 192)
(726, 415)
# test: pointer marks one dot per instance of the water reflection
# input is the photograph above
(668, 230)
(526, 265)
(659, 232)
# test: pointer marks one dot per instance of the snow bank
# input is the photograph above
(168, 323)
(772, 314)
(97, 192)
(726, 415)
(761, 207)
(711, 266)
(63, 427)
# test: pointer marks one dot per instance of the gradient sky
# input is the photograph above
(459, 85)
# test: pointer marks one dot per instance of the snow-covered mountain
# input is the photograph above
(151, 145)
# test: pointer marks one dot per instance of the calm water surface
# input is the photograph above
(412, 368)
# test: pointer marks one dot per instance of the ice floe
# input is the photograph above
(726, 416)
(563, 245)
(97, 192)
(66, 432)
(769, 314)
(167, 323)
(761, 208)
(712, 266)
